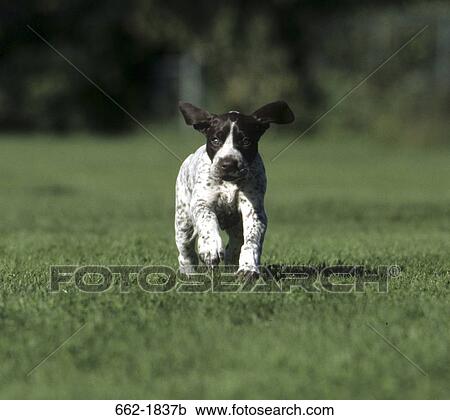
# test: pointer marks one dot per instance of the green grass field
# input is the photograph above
(86, 200)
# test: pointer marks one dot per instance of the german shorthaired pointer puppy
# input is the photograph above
(222, 185)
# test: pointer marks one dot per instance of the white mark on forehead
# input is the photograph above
(229, 139)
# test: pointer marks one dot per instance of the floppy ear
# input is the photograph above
(197, 117)
(276, 112)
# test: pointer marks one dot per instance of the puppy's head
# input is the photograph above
(232, 138)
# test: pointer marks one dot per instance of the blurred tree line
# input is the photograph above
(247, 52)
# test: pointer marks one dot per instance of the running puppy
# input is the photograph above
(222, 185)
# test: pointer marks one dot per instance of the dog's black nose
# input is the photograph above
(228, 164)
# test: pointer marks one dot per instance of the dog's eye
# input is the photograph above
(215, 141)
(246, 142)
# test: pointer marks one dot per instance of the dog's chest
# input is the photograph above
(226, 204)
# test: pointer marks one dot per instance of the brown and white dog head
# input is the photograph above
(232, 138)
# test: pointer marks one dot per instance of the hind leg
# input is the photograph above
(185, 238)
(235, 242)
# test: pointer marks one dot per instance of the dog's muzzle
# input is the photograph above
(229, 169)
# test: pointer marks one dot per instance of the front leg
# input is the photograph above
(254, 224)
(209, 243)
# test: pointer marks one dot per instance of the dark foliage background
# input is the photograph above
(239, 54)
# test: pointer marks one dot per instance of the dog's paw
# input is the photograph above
(249, 260)
(246, 274)
(210, 249)
(187, 270)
